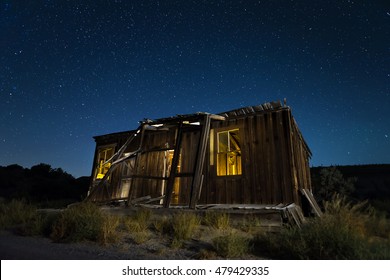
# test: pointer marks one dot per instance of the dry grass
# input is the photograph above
(217, 220)
(232, 245)
(85, 221)
(139, 222)
(162, 225)
(16, 212)
(184, 225)
(344, 232)
(138, 225)
(108, 233)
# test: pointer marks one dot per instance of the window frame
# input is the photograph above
(217, 152)
(99, 149)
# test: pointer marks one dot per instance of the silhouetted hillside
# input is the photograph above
(41, 184)
(373, 181)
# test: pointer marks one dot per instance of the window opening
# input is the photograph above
(102, 167)
(229, 153)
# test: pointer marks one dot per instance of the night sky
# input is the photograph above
(70, 70)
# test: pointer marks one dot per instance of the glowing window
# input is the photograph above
(102, 166)
(229, 153)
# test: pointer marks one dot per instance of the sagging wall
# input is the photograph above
(147, 173)
(114, 142)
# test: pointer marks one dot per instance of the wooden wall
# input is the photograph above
(274, 162)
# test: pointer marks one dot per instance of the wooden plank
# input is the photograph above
(199, 162)
(316, 208)
(261, 160)
(270, 159)
(175, 162)
(293, 168)
(140, 199)
(283, 155)
(136, 165)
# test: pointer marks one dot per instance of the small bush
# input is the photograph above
(35, 226)
(163, 225)
(184, 225)
(251, 225)
(341, 233)
(80, 222)
(217, 220)
(139, 222)
(108, 233)
(141, 237)
(332, 181)
(16, 212)
(205, 254)
(232, 245)
(138, 225)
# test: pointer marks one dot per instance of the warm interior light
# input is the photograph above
(229, 153)
(102, 165)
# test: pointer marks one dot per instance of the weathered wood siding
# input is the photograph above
(274, 162)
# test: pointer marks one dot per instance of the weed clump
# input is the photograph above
(184, 225)
(108, 232)
(232, 245)
(217, 220)
(138, 222)
(85, 221)
(16, 212)
(138, 225)
(343, 232)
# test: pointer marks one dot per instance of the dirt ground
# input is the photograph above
(16, 247)
(13, 246)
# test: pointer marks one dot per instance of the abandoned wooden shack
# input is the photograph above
(250, 156)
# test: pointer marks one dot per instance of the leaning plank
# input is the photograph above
(154, 199)
(294, 211)
(140, 199)
(312, 201)
(198, 176)
(174, 164)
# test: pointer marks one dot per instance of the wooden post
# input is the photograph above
(175, 162)
(199, 163)
(136, 162)
(292, 161)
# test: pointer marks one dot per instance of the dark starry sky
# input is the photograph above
(70, 70)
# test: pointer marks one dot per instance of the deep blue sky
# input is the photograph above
(70, 70)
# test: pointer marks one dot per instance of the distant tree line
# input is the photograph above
(355, 182)
(41, 184)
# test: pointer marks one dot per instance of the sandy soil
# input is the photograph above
(156, 246)
(15, 247)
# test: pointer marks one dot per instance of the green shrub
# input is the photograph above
(83, 221)
(330, 182)
(232, 245)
